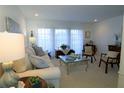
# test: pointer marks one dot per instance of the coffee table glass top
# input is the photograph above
(69, 59)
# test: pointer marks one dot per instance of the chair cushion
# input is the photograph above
(38, 50)
(86, 53)
(88, 50)
(105, 59)
(112, 54)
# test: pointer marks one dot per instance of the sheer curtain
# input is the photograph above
(61, 37)
(45, 39)
(76, 40)
(51, 39)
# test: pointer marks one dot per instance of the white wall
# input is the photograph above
(53, 24)
(103, 32)
(35, 24)
(15, 13)
(121, 70)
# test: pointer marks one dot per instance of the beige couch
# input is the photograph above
(51, 74)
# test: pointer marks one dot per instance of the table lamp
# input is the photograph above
(11, 48)
(32, 38)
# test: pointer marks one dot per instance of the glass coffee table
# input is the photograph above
(66, 59)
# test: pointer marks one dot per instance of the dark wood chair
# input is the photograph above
(89, 51)
(111, 57)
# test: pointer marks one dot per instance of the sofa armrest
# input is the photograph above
(46, 73)
(51, 74)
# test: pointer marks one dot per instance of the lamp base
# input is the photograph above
(9, 78)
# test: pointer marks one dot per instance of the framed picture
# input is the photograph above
(87, 34)
(12, 26)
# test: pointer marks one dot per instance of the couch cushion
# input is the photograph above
(38, 50)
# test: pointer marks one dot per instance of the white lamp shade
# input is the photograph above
(11, 46)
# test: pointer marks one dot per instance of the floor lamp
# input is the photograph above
(11, 48)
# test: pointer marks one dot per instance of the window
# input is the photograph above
(76, 40)
(51, 39)
(45, 39)
(61, 37)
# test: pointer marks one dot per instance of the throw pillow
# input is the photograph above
(39, 63)
(47, 59)
(30, 51)
(19, 65)
(22, 65)
(27, 62)
(39, 51)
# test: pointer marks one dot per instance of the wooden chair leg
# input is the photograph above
(106, 68)
(91, 59)
(94, 58)
(111, 65)
(118, 65)
(100, 63)
(86, 57)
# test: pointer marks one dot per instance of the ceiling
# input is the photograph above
(79, 13)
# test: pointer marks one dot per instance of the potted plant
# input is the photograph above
(35, 82)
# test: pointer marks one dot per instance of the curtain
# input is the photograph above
(51, 39)
(61, 37)
(76, 40)
(45, 39)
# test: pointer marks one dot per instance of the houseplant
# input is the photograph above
(35, 82)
